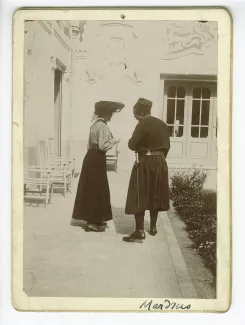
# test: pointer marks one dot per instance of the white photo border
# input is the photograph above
(221, 304)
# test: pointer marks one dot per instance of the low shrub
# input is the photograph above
(197, 208)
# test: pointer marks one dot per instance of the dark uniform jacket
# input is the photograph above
(148, 186)
(151, 134)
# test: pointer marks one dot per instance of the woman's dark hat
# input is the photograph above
(143, 106)
(107, 107)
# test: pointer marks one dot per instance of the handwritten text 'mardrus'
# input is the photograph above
(167, 304)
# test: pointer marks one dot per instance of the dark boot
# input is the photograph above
(95, 228)
(153, 231)
(102, 223)
(153, 227)
(136, 237)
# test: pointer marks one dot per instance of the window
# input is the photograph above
(188, 109)
(175, 110)
(200, 113)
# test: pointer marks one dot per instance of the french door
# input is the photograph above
(190, 113)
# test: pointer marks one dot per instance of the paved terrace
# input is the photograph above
(61, 260)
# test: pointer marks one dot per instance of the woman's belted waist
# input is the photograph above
(96, 147)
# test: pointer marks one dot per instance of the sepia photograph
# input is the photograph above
(119, 151)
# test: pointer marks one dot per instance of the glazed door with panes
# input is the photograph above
(189, 111)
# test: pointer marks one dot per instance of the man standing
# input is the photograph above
(148, 186)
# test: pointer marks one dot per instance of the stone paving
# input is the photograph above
(61, 260)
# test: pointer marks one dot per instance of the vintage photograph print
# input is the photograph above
(121, 160)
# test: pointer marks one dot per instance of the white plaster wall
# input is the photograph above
(146, 51)
(93, 73)
(41, 50)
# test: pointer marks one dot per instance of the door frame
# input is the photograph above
(208, 139)
(196, 81)
(182, 139)
(58, 142)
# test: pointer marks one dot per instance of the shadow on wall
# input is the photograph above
(32, 156)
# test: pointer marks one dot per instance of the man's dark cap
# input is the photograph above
(143, 106)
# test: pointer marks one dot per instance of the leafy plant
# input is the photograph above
(197, 208)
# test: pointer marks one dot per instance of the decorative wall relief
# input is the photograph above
(82, 24)
(115, 52)
(135, 79)
(65, 26)
(110, 45)
(80, 53)
(91, 77)
(185, 38)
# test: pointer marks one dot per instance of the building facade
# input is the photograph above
(172, 63)
(71, 65)
(47, 86)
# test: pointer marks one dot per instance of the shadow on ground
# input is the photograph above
(124, 224)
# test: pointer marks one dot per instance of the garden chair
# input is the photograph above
(59, 169)
(61, 176)
(67, 161)
(38, 186)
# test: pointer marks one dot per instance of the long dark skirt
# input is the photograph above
(92, 202)
(153, 186)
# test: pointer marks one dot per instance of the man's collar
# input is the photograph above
(147, 115)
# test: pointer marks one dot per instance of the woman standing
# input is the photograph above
(92, 203)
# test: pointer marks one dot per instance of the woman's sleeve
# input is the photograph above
(105, 139)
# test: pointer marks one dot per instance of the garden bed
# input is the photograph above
(197, 208)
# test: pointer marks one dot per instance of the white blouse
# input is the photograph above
(100, 136)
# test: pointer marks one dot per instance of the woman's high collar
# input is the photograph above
(97, 119)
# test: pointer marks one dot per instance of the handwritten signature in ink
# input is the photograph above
(167, 304)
